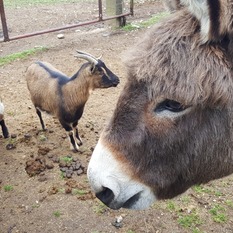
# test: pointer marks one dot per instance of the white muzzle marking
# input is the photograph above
(104, 171)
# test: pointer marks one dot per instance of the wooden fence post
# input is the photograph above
(115, 7)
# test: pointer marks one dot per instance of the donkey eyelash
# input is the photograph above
(170, 105)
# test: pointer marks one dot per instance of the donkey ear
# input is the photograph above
(215, 17)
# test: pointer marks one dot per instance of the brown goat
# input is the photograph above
(173, 123)
(55, 93)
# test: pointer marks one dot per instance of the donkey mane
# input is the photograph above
(195, 73)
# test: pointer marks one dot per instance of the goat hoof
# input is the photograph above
(75, 150)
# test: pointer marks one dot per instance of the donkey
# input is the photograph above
(173, 123)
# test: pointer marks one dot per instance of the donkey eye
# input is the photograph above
(170, 105)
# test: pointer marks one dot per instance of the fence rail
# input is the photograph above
(100, 18)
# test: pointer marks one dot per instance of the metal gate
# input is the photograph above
(6, 32)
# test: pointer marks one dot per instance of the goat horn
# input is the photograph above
(98, 58)
(81, 52)
(84, 55)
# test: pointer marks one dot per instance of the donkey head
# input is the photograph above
(173, 123)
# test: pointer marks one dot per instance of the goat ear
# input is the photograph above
(92, 68)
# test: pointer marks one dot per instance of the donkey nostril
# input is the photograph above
(106, 195)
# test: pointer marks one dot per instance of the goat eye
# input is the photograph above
(170, 105)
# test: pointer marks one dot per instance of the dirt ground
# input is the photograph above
(48, 202)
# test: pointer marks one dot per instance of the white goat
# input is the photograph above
(2, 122)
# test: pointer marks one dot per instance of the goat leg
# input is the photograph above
(73, 145)
(4, 129)
(40, 117)
(75, 130)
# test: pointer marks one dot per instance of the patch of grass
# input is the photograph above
(11, 141)
(62, 190)
(218, 214)
(154, 19)
(196, 230)
(229, 203)
(21, 55)
(80, 192)
(35, 206)
(100, 208)
(218, 193)
(201, 189)
(130, 27)
(8, 188)
(63, 175)
(57, 213)
(11, 113)
(42, 137)
(147, 23)
(185, 199)
(171, 205)
(66, 159)
(191, 220)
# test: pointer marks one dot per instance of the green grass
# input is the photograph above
(66, 159)
(218, 215)
(147, 23)
(42, 138)
(100, 208)
(201, 189)
(229, 203)
(35, 206)
(8, 188)
(80, 192)
(191, 220)
(185, 199)
(196, 230)
(19, 56)
(63, 175)
(57, 213)
(171, 205)
(154, 19)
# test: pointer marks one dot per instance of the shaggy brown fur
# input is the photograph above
(172, 5)
(180, 65)
(171, 154)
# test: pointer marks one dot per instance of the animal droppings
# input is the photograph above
(71, 167)
(10, 146)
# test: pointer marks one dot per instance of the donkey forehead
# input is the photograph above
(179, 66)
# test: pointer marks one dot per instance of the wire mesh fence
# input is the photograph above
(28, 16)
